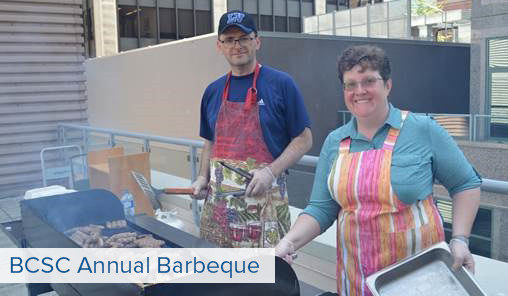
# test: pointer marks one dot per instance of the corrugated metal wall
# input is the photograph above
(42, 83)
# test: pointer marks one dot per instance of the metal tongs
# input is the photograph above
(248, 177)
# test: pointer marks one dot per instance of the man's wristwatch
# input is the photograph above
(462, 238)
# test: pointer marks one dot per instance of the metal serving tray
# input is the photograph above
(427, 273)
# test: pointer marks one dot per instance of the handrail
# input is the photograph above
(474, 119)
(167, 140)
(192, 144)
(488, 185)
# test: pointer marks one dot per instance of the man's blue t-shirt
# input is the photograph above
(281, 109)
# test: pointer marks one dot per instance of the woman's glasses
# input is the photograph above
(365, 83)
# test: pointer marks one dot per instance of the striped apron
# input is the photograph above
(374, 228)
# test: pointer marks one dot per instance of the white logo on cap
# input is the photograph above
(235, 17)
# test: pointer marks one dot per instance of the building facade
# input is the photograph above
(142, 23)
(438, 20)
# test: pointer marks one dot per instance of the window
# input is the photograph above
(203, 22)
(281, 24)
(497, 86)
(147, 19)
(167, 21)
(331, 7)
(128, 21)
(89, 23)
(255, 17)
(294, 25)
(234, 5)
(266, 23)
(445, 35)
(481, 232)
(185, 23)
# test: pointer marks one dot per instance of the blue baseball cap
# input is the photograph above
(239, 19)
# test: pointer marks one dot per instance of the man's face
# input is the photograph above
(241, 52)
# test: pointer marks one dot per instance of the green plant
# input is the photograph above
(426, 7)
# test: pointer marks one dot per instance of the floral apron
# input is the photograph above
(242, 221)
(374, 228)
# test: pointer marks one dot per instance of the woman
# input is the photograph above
(375, 176)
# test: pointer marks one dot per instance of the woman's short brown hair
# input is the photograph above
(368, 57)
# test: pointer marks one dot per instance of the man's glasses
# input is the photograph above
(365, 83)
(243, 41)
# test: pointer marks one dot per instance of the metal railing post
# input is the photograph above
(112, 140)
(195, 206)
(146, 145)
(61, 135)
(367, 18)
(193, 162)
(474, 128)
(86, 139)
(471, 125)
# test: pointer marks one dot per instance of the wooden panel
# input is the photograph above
(102, 156)
(98, 166)
(98, 175)
(120, 169)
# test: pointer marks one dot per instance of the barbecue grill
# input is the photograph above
(44, 221)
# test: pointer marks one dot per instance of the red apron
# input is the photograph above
(240, 221)
(374, 228)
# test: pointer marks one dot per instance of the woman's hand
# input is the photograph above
(461, 255)
(285, 249)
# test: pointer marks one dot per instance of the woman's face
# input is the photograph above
(365, 93)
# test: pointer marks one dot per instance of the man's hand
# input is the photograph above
(461, 255)
(200, 187)
(262, 180)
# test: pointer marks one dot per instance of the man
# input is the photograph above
(253, 118)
